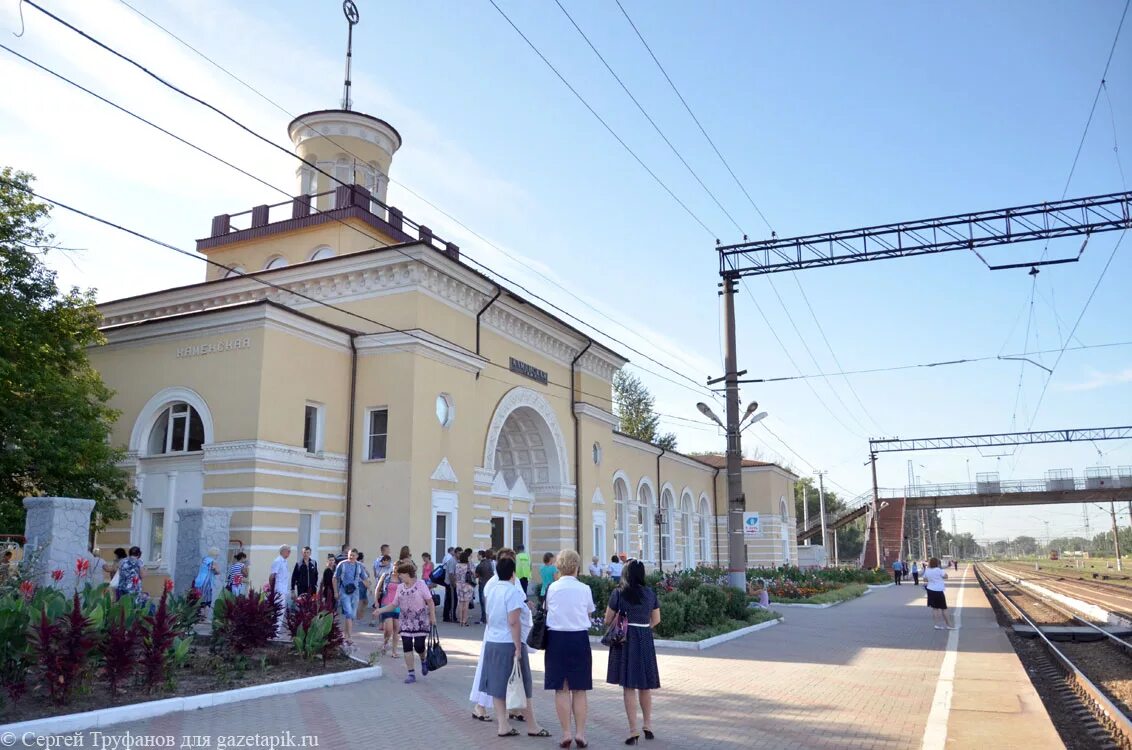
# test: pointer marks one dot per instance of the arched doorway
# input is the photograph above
(168, 438)
(525, 451)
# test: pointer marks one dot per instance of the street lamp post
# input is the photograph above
(736, 502)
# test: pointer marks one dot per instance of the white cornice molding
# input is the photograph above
(582, 409)
(422, 343)
(357, 276)
(223, 320)
(263, 450)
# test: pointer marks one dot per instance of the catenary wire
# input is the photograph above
(699, 387)
(413, 333)
(762, 216)
(345, 149)
(648, 116)
(600, 119)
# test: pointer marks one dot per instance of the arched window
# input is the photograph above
(705, 530)
(178, 429)
(234, 271)
(322, 252)
(277, 262)
(667, 548)
(646, 509)
(689, 556)
(620, 515)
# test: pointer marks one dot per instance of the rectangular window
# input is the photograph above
(377, 433)
(156, 534)
(441, 542)
(497, 527)
(518, 532)
(311, 419)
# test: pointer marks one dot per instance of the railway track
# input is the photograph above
(1092, 682)
(1113, 597)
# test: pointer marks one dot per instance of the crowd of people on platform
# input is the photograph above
(499, 583)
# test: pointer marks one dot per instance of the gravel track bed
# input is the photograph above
(1033, 656)
(1109, 667)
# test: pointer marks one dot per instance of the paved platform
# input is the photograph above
(871, 673)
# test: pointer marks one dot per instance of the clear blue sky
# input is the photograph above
(833, 116)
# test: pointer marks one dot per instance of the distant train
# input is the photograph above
(1053, 555)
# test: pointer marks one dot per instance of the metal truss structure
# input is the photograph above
(892, 445)
(1078, 216)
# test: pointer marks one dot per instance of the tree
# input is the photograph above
(636, 412)
(54, 415)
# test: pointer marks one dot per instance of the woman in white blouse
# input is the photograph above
(569, 662)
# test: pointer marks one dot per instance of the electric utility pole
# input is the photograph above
(876, 511)
(736, 544)
(806, 511)
(1115, 535)
(821, 507)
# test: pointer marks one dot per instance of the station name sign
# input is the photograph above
(213, 347)
(529, 371)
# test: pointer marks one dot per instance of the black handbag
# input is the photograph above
(536, 639)
(434, 655)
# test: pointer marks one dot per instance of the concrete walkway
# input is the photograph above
(866, 674)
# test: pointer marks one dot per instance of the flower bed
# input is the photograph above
(61, 655)
(690, 608)
(830, 596)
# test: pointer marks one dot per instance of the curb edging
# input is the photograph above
(105, 717)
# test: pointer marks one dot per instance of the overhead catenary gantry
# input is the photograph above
(1000, 439)
(970, 231)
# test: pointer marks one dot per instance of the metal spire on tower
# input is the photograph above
(352, 17)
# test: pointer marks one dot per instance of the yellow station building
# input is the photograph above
(341, 376)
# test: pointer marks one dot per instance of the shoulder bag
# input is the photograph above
(434, 655)
(536, 639)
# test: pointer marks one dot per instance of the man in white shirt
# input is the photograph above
(281, 583)
(596, 568)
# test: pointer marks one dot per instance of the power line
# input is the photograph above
(599, 118)
(762, 216)
(413, 333)
(648, 116)
(514, 258)
(699, 388)
(693, 116)
(790, 357)
(1084, 309)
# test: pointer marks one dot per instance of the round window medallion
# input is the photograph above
(597, 453)
(444, 409)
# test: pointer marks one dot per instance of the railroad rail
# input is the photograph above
(1112, 596)
(1102, 707)
(1123, 644)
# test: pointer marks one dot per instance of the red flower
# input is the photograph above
(57, 575)
(27, 588)
(82, 566)
(168, 585)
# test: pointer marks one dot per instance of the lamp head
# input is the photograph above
(707, 412)
(751, 407)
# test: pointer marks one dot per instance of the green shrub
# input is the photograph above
(697, 613)
(671, 615)
(601, 588)
(736, 603)
(688, 583)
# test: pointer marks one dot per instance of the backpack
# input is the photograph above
(470, 576)
(437, 575)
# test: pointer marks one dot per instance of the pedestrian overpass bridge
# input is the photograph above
(1100, 484)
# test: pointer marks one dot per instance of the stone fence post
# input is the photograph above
(57, 531)
(199, 529)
